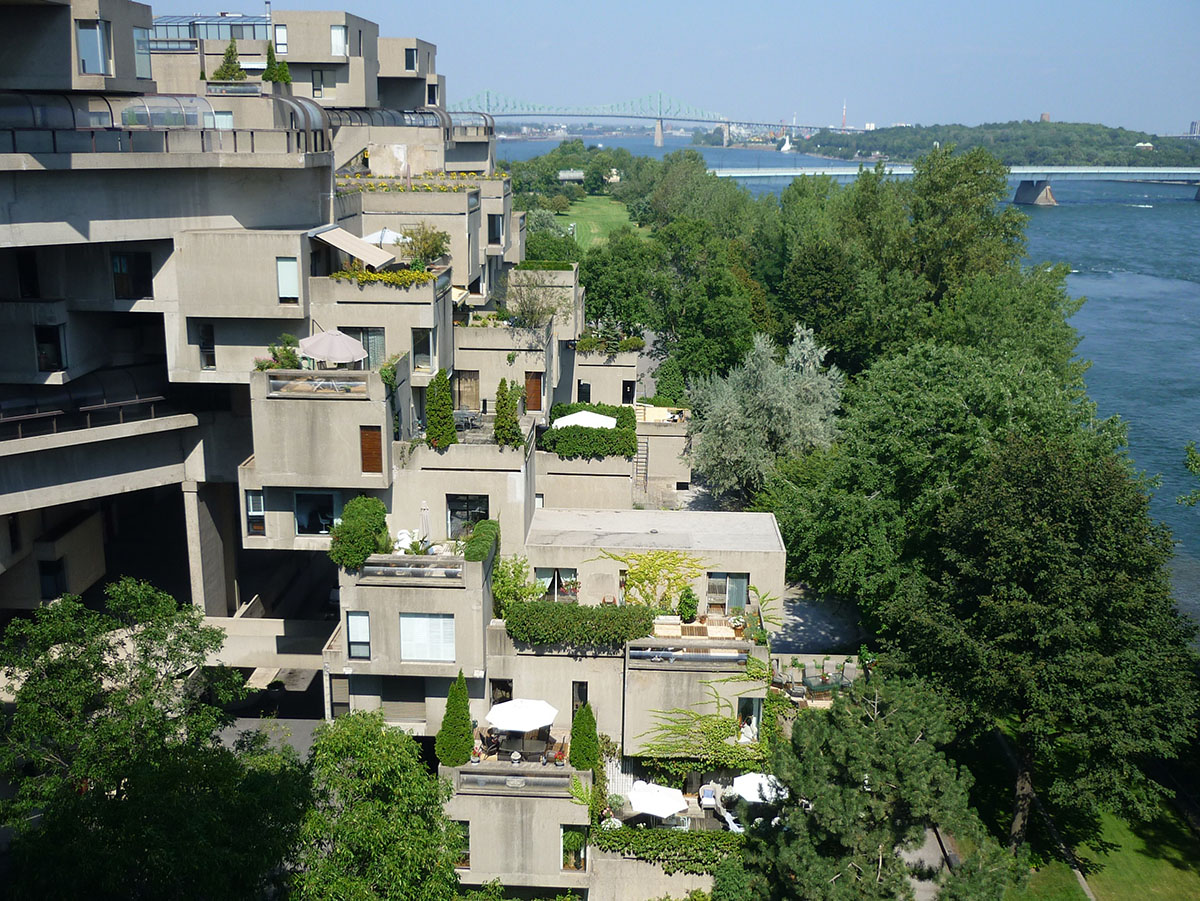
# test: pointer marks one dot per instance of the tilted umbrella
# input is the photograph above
(333, 347)
(521, 715)
(656, 800)
(758, 787)
(387, 236)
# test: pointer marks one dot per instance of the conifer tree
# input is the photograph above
(507, 428)
(439, 413)
(455, 739)
(230, 68)
(277, 69)
(585, 743)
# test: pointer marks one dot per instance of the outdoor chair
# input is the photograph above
(849, 673)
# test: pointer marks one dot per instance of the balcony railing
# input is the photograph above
(104, 397)
(388, 569)
(324, 384)
(240, 88)
(160, 140)
(682, 653)
(524, 778)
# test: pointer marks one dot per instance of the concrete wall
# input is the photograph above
(585, 484)
(486, 351)
(309, 47)
(239, 342)
(231, 273)
(72, 534)
(616, 878)
(457, 214)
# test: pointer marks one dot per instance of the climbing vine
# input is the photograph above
(657, 578)
(676, 852)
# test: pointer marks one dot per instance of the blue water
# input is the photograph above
(1133, 252)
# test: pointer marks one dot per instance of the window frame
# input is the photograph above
(428, 619)
(102, 28)
(464, 862)
(355, 647)
(583, 391)
(281, 46)
(142, 67)
(416, 59)
(431, 355)
(256, 513)
(60, 342)
(281, 279)
(468, 504)
(208, 349)
(333, 44)
(335, 517)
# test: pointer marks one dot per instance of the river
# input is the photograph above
(1132, 252)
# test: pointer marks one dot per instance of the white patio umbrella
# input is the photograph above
(426, 522)
(586, 418)
(521, 715)
(385, 236)
(757, 787)
(333, 347)
(656, 800)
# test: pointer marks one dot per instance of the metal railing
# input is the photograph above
(160, 140)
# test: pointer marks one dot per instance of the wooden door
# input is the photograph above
(533, 392)
(370, 442)
(468, 389)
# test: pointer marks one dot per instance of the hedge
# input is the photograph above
(676, 852)
(484, 536)
(574, 441)
(576, 625)
(554, 265)
(396, 278)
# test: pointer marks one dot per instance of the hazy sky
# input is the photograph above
(935, 61)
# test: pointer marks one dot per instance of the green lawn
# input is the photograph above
(594, 218)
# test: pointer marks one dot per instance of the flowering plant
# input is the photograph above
(738, 622)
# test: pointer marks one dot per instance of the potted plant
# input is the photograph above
(570, 587)
(739, 625)
(573, 843)
(560, 758)
(476, 755)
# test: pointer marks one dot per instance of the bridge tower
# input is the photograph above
(1035, 193)
(658, 132)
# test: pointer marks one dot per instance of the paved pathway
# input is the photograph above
(816, 626)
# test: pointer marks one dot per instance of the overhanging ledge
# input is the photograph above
(358, 248)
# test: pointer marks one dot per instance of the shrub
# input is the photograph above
(456, 739)
(360, 533)
(676, 852)
(589, 344)
(575, 441)
(230, 68)
(632, 343)
(585, 744)
(669, 383)
(507, 428)
(578, 626)
(623, 415)
(397, 278)
(483, 538)
(512, 584)
(688, 605)
(439, 413)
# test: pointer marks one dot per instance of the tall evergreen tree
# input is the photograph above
(456, 738)
(439, 413)
(585, 743)
(507, 426)
(230, 68)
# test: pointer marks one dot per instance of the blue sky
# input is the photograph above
(1135, 65)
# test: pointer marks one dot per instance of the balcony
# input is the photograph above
(701, 655)
(233, 88)
(528, 778)
(325, 384)
(443, 571)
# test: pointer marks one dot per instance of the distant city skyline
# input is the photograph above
(932, 62)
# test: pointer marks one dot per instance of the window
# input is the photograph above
(584, 391)
(628, 387)
(427, 636)
(749, 712)
(256, 514)
(495, 228)
(370, 446)
(141, 52)
(53, 577)
(51, 347)
(410, 59)
(573, 840)
(559, 584)
(208, 346)
(14, 532)
(370, 338)
(28, 285)
(463, 511)
(322, 82)
(502, 690)
(93, 38)
(132, 279)
(358, 634)
(465, 860)
(422, 342)
(728, 591)
(287, 277)
(316, 512)
(579, 697)
(337, 40)
(431, 94)
(281, 39)
(466, 389)
(539, 501)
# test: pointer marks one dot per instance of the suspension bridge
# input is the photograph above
(657, 107)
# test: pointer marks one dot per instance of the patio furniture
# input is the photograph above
(708, 797)
(849, 673)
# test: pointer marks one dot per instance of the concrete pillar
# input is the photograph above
(210, 554)
(658, 133)
(1198, 192)
(1035, 193)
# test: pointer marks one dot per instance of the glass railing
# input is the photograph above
(410, 566)
(332, 384)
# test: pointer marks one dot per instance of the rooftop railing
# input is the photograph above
(160, 140)
(325, 384)
(390, 569)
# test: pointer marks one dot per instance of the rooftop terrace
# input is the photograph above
(656, 529)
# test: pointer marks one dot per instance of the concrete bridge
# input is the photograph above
(1033, 182)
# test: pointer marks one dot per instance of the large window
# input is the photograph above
(93, 39)
(583, 391)
(410, 59)
(51, 345)
(141, 52)
(466, 389)
(287, 278)
(281, 39)
(427, 636)
(256, 514)
(316, 512)
(208, 346)
(337, 41)
(358, 634)
(561, 583)
(323, 82)
(495, 228)
(574, 847)
(370, 338)
(422, 342)
(432, 94)
(465, 861)
(132, 278)
(463, 511)
(728, 591)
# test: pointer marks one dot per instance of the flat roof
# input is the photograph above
(697, 530)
